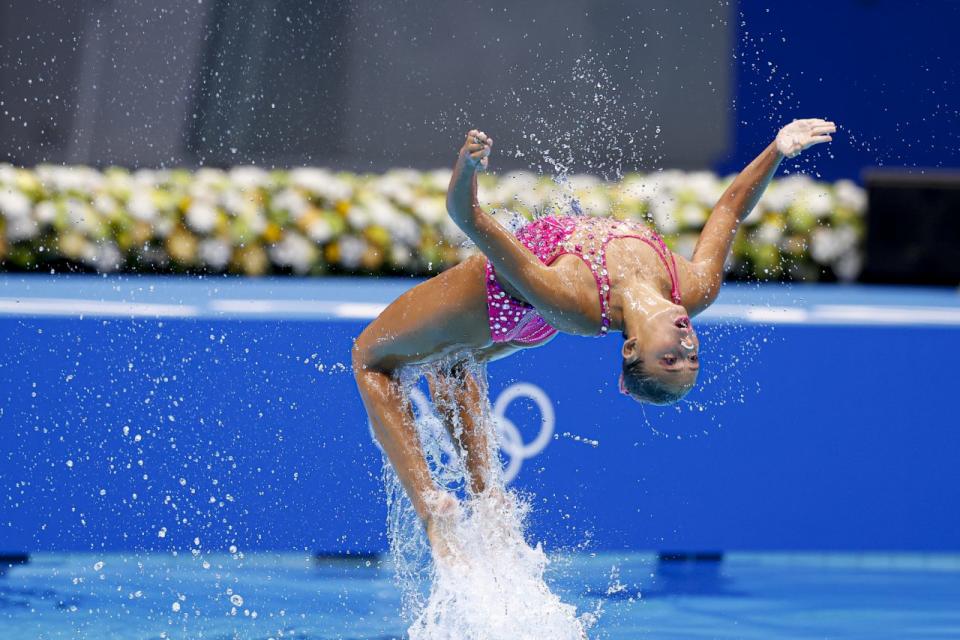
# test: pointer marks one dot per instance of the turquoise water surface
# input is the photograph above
(261, 596)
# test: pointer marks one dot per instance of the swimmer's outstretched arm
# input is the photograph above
(549, 289)
(738, 201)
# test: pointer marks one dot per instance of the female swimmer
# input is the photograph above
(575, 274)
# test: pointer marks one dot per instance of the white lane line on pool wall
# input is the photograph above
(829, 314)
(872, 314)
(339, 309)
(80, 307)
(823, 314)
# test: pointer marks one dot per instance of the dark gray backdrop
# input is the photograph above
(364, 85)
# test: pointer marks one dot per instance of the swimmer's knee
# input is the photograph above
(361, 358)
(364, 361)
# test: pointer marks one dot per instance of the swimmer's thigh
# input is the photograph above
(444, 315)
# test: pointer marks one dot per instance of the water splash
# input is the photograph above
(493, 586)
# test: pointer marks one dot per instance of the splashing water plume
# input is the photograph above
(491, 585)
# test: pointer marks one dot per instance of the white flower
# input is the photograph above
(769, 233)
(45, 212)
(106, 257)
(22, 229)
(248, 177)
(594, 202)
(320, 230)
(848, 266)
(322, 183)
(215, 253)
(14, 204)
(850, 196)
(829, 245)
(201, 217)
(236, 204)
(69, 178)
(692, 215)
(439, 179)
(291, 201)
(81, 216)
(781, 193)
(815, 199)
(430, 209)
(8, 174)
(210, 177)
(104, 204)
(395, 188)
(352, 249)
(452, 232)
(254, 219)
(404, 229)
(163, 227)
(706, 187)
(146, 178)
(358, 216)
(663, 215)
(512, 185)
(294, 251)
(401, 255)
(141, 206)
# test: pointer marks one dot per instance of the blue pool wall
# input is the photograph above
(149, 433)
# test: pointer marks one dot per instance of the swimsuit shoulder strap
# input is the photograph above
(655, 242)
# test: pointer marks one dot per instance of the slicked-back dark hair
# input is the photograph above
(645, 388)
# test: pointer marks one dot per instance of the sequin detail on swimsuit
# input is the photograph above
(550, 237)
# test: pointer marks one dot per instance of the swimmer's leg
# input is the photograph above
(445, 313)
(462, 404)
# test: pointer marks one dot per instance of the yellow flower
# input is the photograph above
(331, 253)
(272, 233)
(72, 245)
(372, 258)
(307, 218)
(140, 232)
(251, 260)
(377, 235)
(28, 183)
(182, 246)
(342, 207)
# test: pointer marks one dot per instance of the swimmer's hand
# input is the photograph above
(476, 150)
(803, 134)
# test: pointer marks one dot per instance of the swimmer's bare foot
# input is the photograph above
(499, 512)
(441, 526)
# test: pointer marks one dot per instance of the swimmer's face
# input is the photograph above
(669, 350)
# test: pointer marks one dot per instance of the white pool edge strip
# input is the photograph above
(822, 314)
(74, 307)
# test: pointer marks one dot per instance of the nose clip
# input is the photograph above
(687, 344)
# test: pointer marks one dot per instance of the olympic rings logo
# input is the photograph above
(511, 440)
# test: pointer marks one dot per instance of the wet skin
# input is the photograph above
(446, 316)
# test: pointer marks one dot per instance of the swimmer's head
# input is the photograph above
(660, 365)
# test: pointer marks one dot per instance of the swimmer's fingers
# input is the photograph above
(818, 139)
(822, 128)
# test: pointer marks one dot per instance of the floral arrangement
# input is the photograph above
(247, 220)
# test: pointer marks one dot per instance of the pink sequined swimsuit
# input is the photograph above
(550, 237)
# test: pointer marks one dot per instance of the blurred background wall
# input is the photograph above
(366, 85)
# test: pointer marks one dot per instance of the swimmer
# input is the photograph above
(573, 274)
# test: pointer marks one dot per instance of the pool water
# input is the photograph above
(261, 596)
